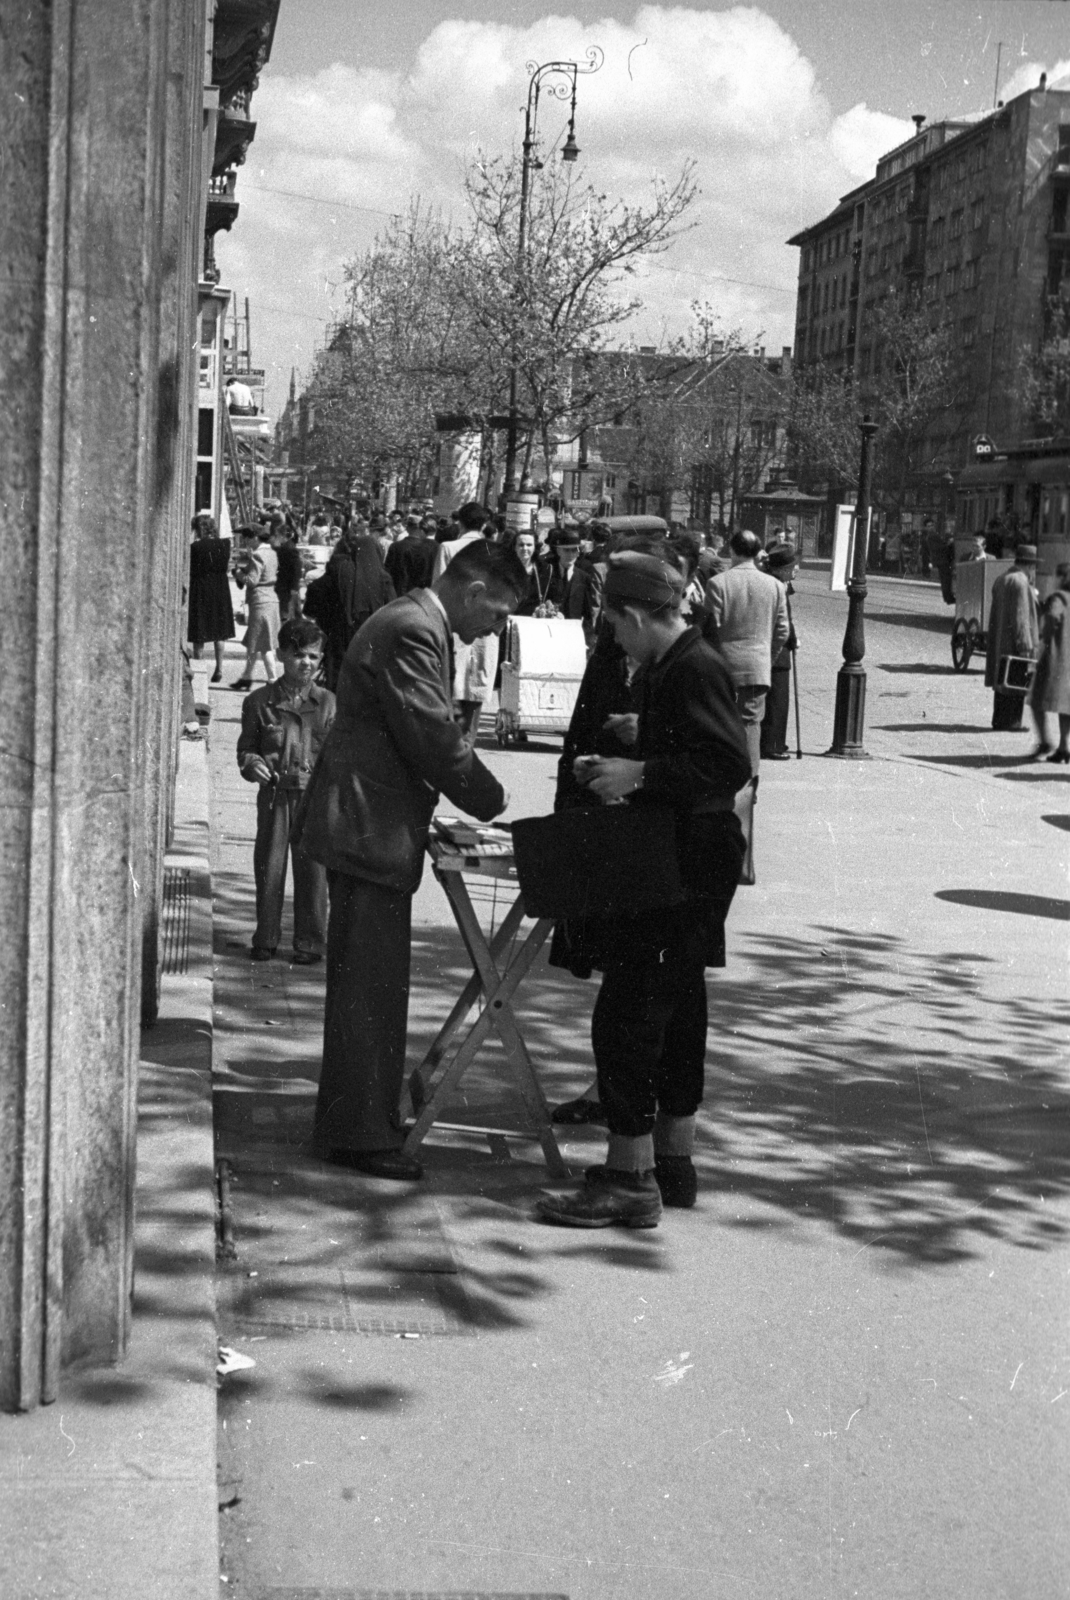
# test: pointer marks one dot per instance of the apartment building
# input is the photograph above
(970, 217)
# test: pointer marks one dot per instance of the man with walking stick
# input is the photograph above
(780, 564)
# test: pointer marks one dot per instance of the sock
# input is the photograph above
(630, 1155)
(674, 1136)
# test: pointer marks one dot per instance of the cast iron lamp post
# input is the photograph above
(567, 72)
(850, 718)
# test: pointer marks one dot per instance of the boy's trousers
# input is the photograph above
(274, 816)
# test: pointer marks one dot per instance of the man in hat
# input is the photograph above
(648, 1030)
(780, 562)
(1012, 631)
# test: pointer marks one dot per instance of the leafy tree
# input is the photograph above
(915, 385)
(1043, 386)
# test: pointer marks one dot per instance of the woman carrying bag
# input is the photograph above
(648, 1030)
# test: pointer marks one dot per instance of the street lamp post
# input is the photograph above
(849, 721)
(567, 72)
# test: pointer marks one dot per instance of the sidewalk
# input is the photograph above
(843, 1372)
(110, 1494)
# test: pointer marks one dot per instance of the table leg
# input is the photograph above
(420, 1077)
(499, 988)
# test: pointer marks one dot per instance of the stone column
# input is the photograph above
(82, 218)
(181, 242)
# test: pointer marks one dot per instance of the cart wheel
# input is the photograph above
(978, 643)
(961, 645)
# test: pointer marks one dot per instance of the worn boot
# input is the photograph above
(609, 1198)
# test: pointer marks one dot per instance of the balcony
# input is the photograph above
(222, 203)
(233, 135)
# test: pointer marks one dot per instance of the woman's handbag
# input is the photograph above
(598, 861)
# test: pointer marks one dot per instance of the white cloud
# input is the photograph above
(1027, 76)
(729, 89)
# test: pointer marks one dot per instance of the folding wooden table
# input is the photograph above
(499, 966)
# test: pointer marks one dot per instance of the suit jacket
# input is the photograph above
(747, 619)
(393, 747)
(579, 597)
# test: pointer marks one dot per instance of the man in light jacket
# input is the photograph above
(747, 620)
(395, 745)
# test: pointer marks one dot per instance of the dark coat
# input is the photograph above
(692, 743)
(290, 570)
(1012, 622)
(579, 596)
(353, 587)
(211, 614)
(394, 746)
(411, 563)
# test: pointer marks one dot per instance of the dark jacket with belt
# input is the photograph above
(393, 748)
(692, 743)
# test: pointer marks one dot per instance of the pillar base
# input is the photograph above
(850, 717)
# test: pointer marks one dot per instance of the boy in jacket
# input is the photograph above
(283, 726)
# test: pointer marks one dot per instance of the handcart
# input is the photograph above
(542, 667)
(973, 599)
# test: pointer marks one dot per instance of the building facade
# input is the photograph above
(969, 219)
(109, 128)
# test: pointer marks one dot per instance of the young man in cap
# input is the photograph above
(648, 1029)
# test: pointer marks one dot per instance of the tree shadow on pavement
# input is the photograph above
(889, 1096)
(1023, 905)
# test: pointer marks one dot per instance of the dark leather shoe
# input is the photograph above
(242, 683)
(305, 958)
(378, 1163)
(258, 953)
(677, 1179)
(608, 1199)
(572, 1113)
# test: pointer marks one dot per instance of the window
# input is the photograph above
(804, 264)
(825, 297)
(932, 286)
(968, 332)
(871, 261)
(884, 258)
(977, 213)
(804, 303)
(951, 279)
(936, 233)
(969, 274)
(865, 359)
(955, 224)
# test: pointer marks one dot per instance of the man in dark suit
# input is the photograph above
(576, 580)
(394, 746)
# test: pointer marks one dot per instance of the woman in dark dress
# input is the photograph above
(211, 614)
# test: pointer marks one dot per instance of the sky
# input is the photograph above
(783, 107)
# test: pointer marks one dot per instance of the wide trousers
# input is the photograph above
(774, 737)
(366, 1016)
(648, 1032)
(274, 817)
(750, 703)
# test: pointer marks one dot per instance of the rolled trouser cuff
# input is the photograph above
(674, 1136)
(630, 1155)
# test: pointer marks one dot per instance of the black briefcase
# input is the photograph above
(598, 861)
